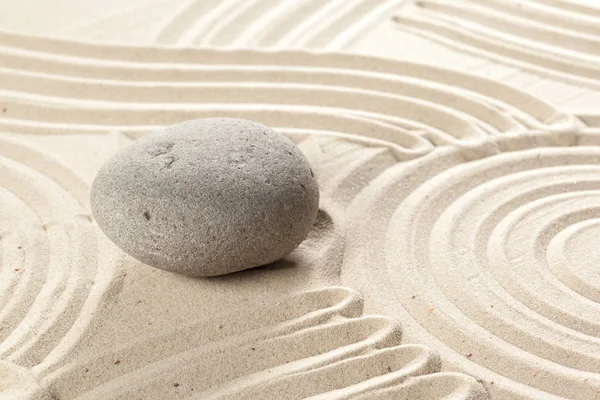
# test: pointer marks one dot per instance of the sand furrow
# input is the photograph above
(486, 110)
(535, 33)
(323, 327)
(546, 41)
(551, 41)
(441, 124)
(414, 97)
(549, 15)
(554, 42)
(306, 123)
(22, 269)
(71, 58)
(49, 248)
(461, 206)
(485, 251)
(274, 25)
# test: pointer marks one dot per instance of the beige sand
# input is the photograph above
(548, 47)
(94, 323)
(507, 294)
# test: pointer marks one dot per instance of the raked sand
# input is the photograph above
(549, 48)
(454, 255)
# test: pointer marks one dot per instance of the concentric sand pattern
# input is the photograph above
(483, 249)
(52, 280)
(61, 308)
(489, 253)
(90, 324)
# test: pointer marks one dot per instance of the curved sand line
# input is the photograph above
(354, 146)
(52, 279)
(325, 327)
(547, 48)
(314, 337)
(485, 255)
(559, 39)
(438, 105)
(327, 350)
(270, 23)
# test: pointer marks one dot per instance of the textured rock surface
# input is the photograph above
(207, 197)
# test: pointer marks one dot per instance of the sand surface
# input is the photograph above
(455, 252)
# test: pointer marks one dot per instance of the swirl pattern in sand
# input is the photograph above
(489, 254)
(92, 323)
(435, 236)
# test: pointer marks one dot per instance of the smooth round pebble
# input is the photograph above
(207, 197)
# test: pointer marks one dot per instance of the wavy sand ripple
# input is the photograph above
(547, 47)
(295, 347)
(556, 38)
(52, 278)
(122, 88)
(372, 129)
(488, 255)
(290, 349)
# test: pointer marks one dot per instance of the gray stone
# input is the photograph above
(207, 197)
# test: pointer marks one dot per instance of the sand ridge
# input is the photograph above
(50, 254)
(485, 248)
(315, 337)
(394, 193)
(233, 23)
(438, 105)
(555, 38)
(51, 117)
(546, 47)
